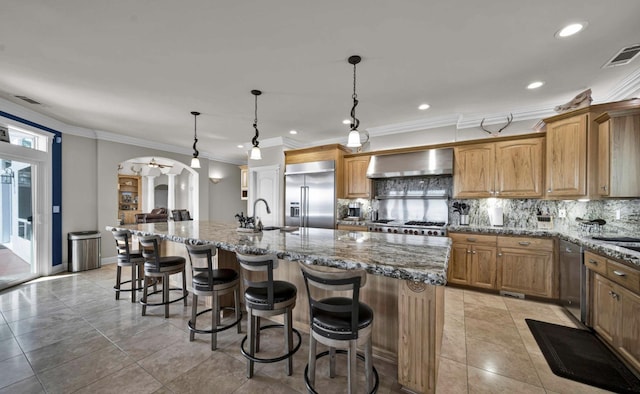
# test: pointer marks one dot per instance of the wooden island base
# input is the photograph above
(408, 318)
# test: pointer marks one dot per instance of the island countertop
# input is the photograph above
(408, 257)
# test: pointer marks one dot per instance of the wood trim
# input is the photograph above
(597, 109)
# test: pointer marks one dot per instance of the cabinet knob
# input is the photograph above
(468, 251)
(497, 191)
(591, 261)
(549, 190)
(524, 243)
(471, 240)
(474, 252)
(604, 187)
(499, 254)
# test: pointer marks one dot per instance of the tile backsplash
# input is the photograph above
(522, 213)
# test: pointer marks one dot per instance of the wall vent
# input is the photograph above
(624, 56)
(29, 100)
(512, 294)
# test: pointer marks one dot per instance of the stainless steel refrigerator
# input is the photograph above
(310, 194)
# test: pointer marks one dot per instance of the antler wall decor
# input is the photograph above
(509, 120)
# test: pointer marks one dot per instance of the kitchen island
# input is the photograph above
(405, 285)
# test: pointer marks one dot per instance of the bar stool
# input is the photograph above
(265, 299)
(340, 323)
(210, 282)
(127, 258)
(155, 267)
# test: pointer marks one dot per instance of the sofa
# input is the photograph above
(180, 215)
(155, 216)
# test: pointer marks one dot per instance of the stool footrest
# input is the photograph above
(275, 359)
(164, 303)
(221, 328)
(340, 351)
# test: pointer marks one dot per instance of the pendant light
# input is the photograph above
(255, 151)
(195, 162)
(354, 135)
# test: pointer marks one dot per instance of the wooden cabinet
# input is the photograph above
(619, 154)
(244, 182)
(616, 317)
(527, 265)
(357, 185)
(567, 157)
(352, 227)
(129, 198)
(473, 260)
(511, 168)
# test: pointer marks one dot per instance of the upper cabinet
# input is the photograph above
(567, 157)
(577, 146)
(357, 185)
(510, 168)
(619, 154)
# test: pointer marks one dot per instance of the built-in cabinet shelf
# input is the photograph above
(129, 198)
(244, 182)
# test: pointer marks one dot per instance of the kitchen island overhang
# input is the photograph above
(405, 287)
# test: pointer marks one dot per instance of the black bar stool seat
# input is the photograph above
(127, 258)
(207, 281)
(163, 267)
(265, 299)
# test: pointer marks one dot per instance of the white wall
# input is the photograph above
(224, 197)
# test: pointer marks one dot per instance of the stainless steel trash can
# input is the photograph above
(84, 250)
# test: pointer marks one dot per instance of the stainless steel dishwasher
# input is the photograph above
(573, 280)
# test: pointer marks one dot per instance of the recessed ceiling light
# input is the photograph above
(422, 107)
(240, 146)
(571, 29)
(293, 132)
(535, 85)
(346, 121)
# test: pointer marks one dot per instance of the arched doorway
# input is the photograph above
(179, 181)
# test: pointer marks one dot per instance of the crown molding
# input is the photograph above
(628, 88)
(414, 125)
(525, 113)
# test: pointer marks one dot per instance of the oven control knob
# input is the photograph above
(421, 232)
(429, 232)
(395, 231)
(406, 231)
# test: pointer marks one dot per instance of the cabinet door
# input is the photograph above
(604, 308)
(567, 157)
(603, 158)
(519, 168)
(629, 327)
(474, 170)
(624, 163)
(458, 271)
(356, 182)
(527, 271)
(483, 266)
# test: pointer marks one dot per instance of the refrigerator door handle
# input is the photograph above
(302, 202)
(306, 206)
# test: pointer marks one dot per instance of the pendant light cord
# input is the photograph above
(355, 122)
(254, 140)
(195, 134)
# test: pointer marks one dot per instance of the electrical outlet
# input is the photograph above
(617, 214)
(562, 213)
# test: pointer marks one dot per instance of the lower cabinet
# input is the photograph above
(518, 264)
(616, 317)
(473, 260)
(526, 265)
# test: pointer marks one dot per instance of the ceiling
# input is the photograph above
(138, 68)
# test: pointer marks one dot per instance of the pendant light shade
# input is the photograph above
(255, 151)
(353, 140)
(195, 162)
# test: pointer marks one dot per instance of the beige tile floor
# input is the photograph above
(67, 334)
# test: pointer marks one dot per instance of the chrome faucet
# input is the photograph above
(258, 224)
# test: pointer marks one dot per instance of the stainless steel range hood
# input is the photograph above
(427, 162)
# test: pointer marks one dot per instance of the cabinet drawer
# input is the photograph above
(525, 242)
(626, 276)
(473, 238)
(595, 263)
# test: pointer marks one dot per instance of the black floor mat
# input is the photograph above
(579, 355)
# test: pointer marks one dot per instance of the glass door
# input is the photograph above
(17, 262)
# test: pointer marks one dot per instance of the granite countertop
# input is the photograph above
(408, 257)
(607, 249)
